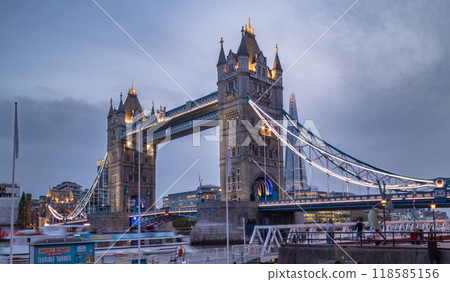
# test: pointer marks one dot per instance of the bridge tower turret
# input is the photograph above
(123, 159)
(256, 170)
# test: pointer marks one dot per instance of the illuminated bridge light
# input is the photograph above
(439, 183)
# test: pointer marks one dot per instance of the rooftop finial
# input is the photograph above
(132, 91)
(120, 95)
(276, 48)
(249, 28)
(110, 101)
(242, 30)
(221, 41)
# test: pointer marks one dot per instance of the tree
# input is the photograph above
(22, 213)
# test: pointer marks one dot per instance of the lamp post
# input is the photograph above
(433, 206)
(383, 203)
(414, 210)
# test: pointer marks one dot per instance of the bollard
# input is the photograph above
(433, 255)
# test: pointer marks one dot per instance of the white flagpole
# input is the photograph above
(15, 155)
(139, 192)
(226, 201)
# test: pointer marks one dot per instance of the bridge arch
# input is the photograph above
(264, 188)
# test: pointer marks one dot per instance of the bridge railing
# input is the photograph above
(271, 237)
(399, 196)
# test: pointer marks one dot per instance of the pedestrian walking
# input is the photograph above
(359, 231)
(329, 228)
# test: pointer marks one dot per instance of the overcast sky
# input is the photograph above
(376, 85)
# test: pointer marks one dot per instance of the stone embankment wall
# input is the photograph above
(303, 254)
(211, 228)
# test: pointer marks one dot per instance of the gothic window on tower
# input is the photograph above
(144, 179)
(130, 178)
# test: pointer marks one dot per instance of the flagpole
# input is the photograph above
(227, 168)
(139, 192)
(15, 155)
(226, 214)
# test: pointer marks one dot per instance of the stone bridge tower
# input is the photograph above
(123, 160)
(256, 170)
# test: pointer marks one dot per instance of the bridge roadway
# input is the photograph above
(186, 119)
(420, 200)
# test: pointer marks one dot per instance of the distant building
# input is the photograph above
(100, 196)
(209, 193)
(418, 214)
(6, 191)
(191, 198)
(63, 197)
(294, 169)
(313, 192)
(322, 216)
(58, 192)
(35, 213)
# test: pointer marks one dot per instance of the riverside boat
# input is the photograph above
(109, 243)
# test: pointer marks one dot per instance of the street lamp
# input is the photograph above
(414, 209)
(383, 203)
(433, 206)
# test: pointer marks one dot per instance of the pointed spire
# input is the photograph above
(111, 110)
(121, 108)
(222, 60)
(153, 108)
(242, 51)
(276, 63)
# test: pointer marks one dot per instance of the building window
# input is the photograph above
(130, 177)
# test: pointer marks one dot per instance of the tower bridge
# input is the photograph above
(247, 108)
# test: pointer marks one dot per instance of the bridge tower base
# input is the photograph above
(211, 229)
(109, 222)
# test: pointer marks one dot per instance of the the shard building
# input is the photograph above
(295, 171)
